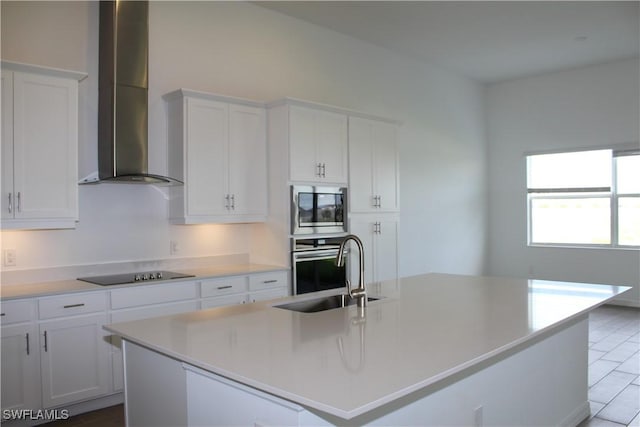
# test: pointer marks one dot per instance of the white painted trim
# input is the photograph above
(212, 97)
(331, 108)
(38, 69)
(580, 414)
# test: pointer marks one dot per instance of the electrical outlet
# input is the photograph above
(9, 258)
(173, 247)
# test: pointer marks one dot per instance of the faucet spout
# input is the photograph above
(360, 293)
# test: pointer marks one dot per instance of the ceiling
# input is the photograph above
(488, 41)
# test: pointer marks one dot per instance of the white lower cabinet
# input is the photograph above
(379, 235)
(74, 354)
(55, 351)
(143, 302)
(74, 359)
(244, 289)
(268, 286)
(20, 357)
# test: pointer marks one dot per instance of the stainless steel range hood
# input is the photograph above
(123, 95)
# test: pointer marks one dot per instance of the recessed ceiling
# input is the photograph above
(488, 41)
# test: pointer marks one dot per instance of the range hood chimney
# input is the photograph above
(123, 95)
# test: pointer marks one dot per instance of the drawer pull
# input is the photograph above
(46, 347)
(224, 287)
(27, 336)
(2, 314)
(73, 305)
(270, 281)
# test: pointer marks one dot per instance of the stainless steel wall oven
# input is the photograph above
(314, 267)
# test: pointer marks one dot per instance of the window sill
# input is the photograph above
(569, 246)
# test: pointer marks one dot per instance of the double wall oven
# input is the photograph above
(318, 224)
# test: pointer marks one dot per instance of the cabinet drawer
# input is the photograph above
(228, 285)
(156, 294)
(16, 311)
(72, 304)
(223, 301)
(274, 279)
(153, 311)
(268, 294)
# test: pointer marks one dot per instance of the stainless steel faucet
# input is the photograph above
(360, 292)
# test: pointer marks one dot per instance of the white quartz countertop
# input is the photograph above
(347, 362)
(30, 290)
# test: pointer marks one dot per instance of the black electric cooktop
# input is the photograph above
(120, 279)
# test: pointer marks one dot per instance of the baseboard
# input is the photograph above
(624, 303)
(580, 414)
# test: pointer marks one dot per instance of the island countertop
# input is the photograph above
(347, 362)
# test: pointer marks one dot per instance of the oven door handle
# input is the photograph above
(316, 256)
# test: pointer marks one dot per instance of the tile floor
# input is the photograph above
(614, 367)
(614, 374)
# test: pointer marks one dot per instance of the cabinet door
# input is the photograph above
(361, 191)
(373, 166)
(247, 160)
(7, 145)
(386, 176)
(207, 157)
(364, 229)
(379, 235)
(304, 165)
(20, 368)
(45, 146)
(74, 359)
(331, 146)
(386, 249)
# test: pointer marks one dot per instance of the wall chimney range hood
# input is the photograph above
(123, 96)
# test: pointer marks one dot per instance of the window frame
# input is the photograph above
(610, 193)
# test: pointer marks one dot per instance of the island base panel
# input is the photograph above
(542, 384)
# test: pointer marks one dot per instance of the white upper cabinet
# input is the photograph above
(317, 145)
(373, 166)
(217, 146)
(39, 147)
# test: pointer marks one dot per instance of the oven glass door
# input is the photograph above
(317, 271)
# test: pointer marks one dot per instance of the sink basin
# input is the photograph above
(322, 304)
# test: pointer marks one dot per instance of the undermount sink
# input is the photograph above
(322, 304)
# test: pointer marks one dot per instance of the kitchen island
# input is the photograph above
(435, 350)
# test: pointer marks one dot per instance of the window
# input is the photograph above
(584, 198)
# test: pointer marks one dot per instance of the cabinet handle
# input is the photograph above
(379, 201)
(233, 202)
(27, 336)
(225, 287)
(2, 314)
(46, 346)
(18, 208)
(10, 203)
(319, 169)
(270, 281)
(226, 203)
(73, 305)
(324, 170)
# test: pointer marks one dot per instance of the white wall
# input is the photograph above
(587, 107)
(244, 50)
